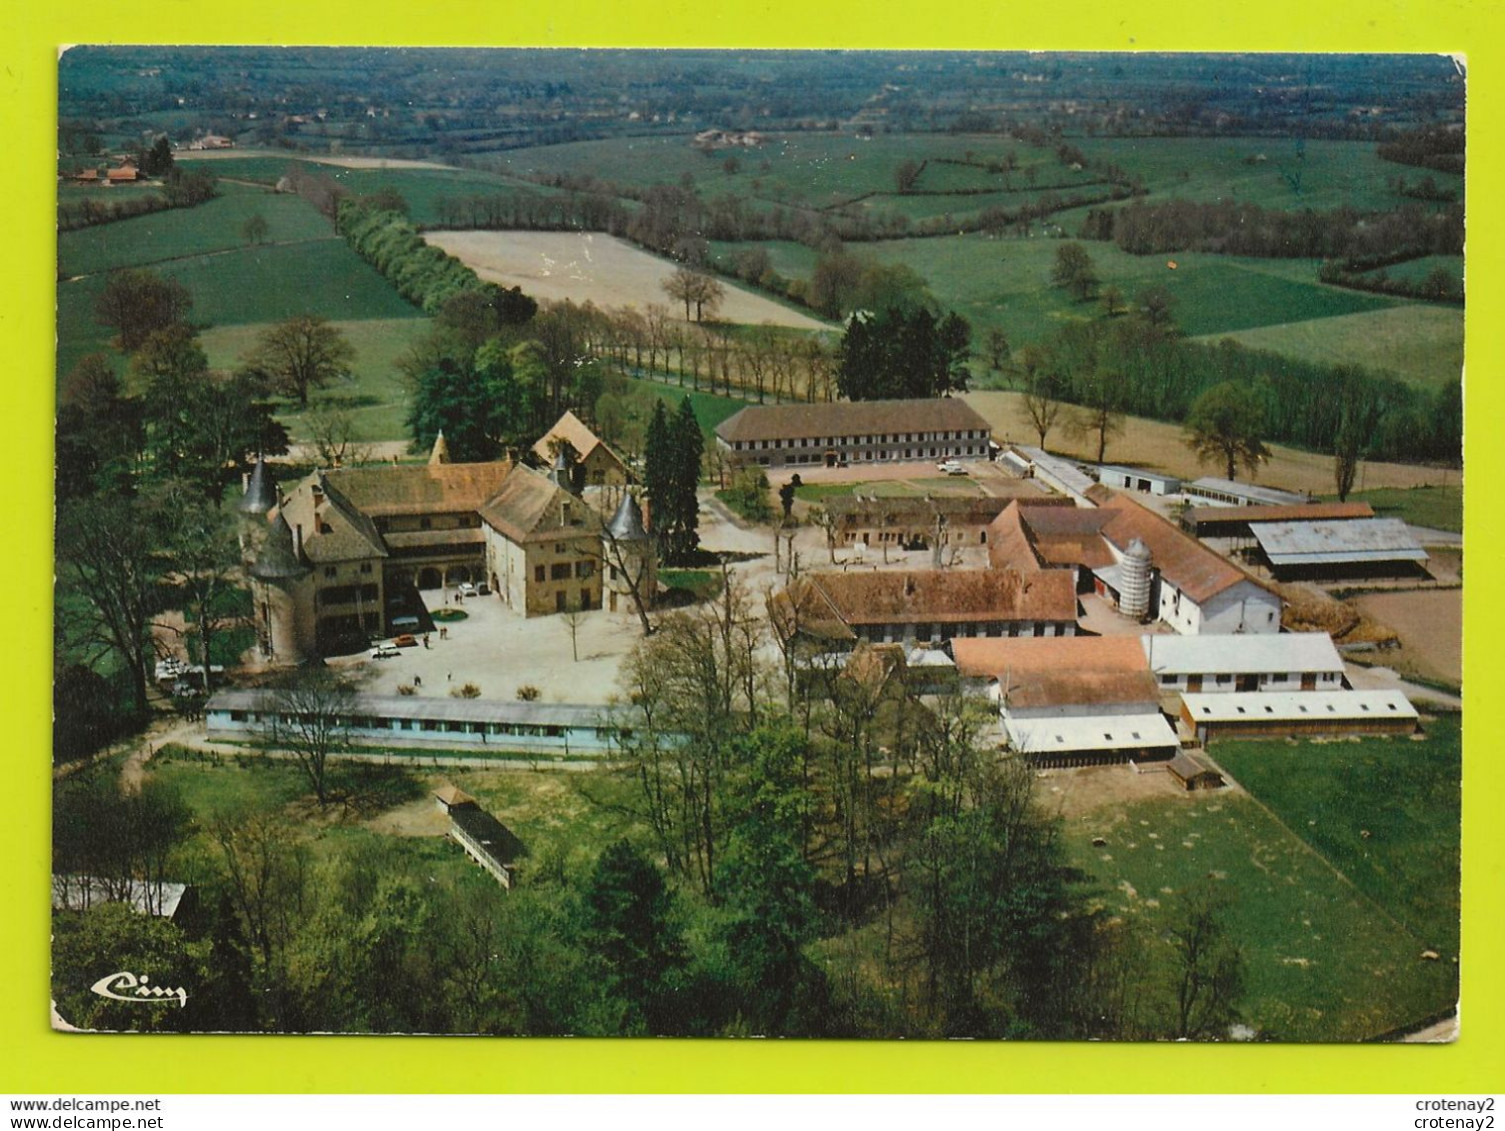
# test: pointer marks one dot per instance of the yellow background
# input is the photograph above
(32, 1059)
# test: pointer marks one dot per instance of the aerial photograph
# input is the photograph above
(717, 543)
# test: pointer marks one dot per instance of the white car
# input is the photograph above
(951, 467)
(384, 652)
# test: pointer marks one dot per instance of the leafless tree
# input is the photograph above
(309, 717)
(332, 428)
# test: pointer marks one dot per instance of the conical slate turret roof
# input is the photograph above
(627, 524)
(261, 494)
(278, 559)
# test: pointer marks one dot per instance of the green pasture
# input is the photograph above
(247, 286)
(1332, 174)
(182, 233)
(272, 282)
(1006, 283)
(421, 188)
(1416, 270)
(1419, 342)
(1323, 961)
(375, 391)
(816, 169)
(1384, 812)
(1438, 508)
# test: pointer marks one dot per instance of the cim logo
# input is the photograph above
(137, 989)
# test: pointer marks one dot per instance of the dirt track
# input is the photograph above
(1161, 447)
(585, 266)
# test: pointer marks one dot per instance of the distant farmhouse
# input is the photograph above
(1138, 561)
(847, 432)
(339, 558)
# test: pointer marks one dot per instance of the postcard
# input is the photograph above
(708, 543)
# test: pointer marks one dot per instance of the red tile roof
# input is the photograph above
(851, 418)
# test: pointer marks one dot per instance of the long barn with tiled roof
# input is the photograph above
(850, 432)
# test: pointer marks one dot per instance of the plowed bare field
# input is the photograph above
(586, 266)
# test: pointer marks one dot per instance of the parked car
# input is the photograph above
(467, 589)
(406, 640)
(951, 467)
(384, 652)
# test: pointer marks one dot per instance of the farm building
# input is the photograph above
(1369, 547)
(1287, 661)
(920, 523)
(1262, 714)
(1193, 773)
(1234, 522)
(1232, 493)
(596, 464)
(486, 840)
(1138, 561)
(450, 797)
(1137, 479)
(501, 725)
(848, 432)
(146, 897)
(831, 611)
(1057, 472)
(1071, 702)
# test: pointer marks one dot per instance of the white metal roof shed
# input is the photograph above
(1098, 733)
(1320, 543)
(1296, 706)
(1250, 654)
(1240, 494)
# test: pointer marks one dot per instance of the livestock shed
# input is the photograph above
(848, 432)
(486, 840)
(501, 725)
(1232, 493)
(1266, 714)
(1138, 479)
(1286, 661)
(1193, 773)
(1071, 701)
(1234, 522)
(1061, 474)
(1371, 547)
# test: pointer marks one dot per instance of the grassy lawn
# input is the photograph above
(1384, 812)
(376, 390)
(269, 283)
(181, 233)
(1322, 961)
(710, 409)
(1440, 508)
